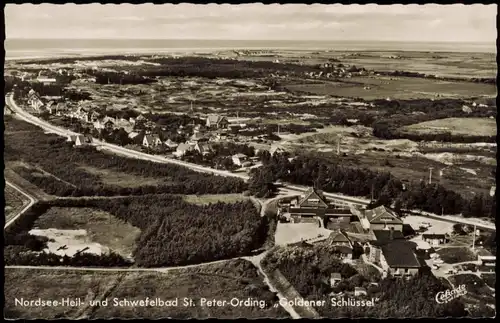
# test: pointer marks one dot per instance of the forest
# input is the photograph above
(173, 232)
(331, 175)
(56, 156)
(308, 269)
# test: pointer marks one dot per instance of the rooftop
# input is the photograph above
(399, 254)
(384, 236)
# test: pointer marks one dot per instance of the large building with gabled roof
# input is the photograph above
(313, 204)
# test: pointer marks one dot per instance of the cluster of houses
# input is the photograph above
(379, 231)
(217, 128)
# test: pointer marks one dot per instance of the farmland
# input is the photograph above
(96, 228)
(234, 279)
(460, 126)
(398, 88)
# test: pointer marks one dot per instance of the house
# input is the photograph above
(216, 121)
(171, 144)
(339, 238)
(133, 134)
(45, 79)
(239, 159)
(203, 148)
(434, 239)
(60, 108)
(183, 148)
(277, 149)
(359, 291)
(335, 278)
(380, 218)
(487, 260)
(198, 137)
(34, 100)
(151, 141)
(80, 140)
(313, 204)
(393, 253)
(109, 124)
(49, 107)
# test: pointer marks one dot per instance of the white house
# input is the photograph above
(183, 148)
(151, 141)
(239, 159)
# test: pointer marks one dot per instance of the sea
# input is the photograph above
(40, 48)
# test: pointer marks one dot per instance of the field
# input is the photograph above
(214, 198)
(453, 255)
(403, 88)
(110, 177)
(287, 233)
(456, 126)
(235, 279)
(85, 227)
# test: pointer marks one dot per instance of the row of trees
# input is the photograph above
(332, 176)
(67, 165)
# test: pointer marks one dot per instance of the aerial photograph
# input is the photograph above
(252, 161)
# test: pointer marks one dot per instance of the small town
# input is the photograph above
(273, 178)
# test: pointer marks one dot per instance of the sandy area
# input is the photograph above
(287, 233)
(74, 240)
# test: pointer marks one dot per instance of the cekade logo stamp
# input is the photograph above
(449, 295)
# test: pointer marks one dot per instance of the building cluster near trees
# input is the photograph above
(380, 231)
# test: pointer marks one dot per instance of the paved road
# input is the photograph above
(31, 202)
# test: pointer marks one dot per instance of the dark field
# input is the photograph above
(403, 88)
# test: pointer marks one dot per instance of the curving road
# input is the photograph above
(9, 101)
(31, 202)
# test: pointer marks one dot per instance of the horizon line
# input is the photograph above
(229, 39)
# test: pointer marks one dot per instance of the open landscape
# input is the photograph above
(205, 178)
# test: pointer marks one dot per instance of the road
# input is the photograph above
(9, 101)
(31, 202)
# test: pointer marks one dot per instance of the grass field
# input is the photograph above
(456, 126)
(453, 255)
(404, 88)
(234, 279)
(111, 177)
(214, 198)
(98, 227)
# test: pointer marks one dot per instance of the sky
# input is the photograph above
(451, 23)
